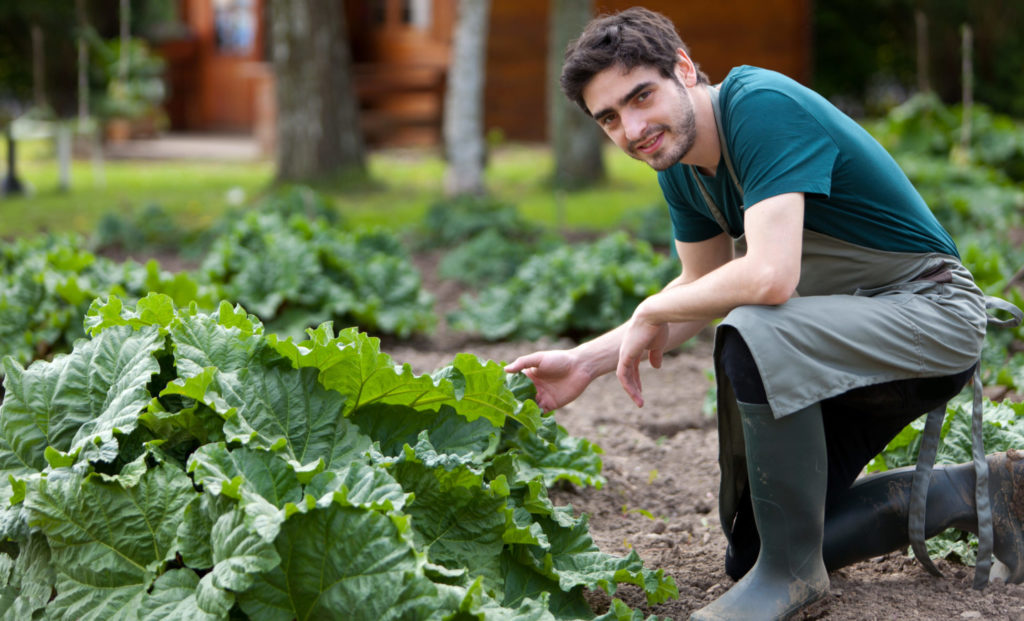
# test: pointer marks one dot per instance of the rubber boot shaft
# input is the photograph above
(871, 518)
(788, 476)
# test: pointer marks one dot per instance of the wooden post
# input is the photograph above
(124, 66)
(967, 84)
(38, 66)
(11, 185)
(921, 28)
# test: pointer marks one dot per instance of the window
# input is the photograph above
(234, 23)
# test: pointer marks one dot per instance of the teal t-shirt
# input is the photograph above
(784, 137)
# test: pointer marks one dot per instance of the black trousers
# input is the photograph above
(858, 425)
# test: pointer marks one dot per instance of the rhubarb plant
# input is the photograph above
(179, 464)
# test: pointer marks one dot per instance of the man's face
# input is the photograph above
(647, 115)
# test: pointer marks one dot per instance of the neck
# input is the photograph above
(706, 149)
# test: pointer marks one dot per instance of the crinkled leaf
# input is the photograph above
(194, 531)
(282, 408)
(156, 309)
(575, 560)
(239, 553)
(178, 596)
(224, 340)
(105, 535)
(259, 471)
(359, 485)
(88, 394)
(393, 426)
(524, 584)
(457, 518)
(556, 456)
(30, 579)
(342, 562)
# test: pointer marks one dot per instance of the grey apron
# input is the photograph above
(862, 317)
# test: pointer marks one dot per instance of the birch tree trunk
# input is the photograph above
(318, 133)
(575, 138)
(464, 100)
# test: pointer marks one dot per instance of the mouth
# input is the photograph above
(651, 144)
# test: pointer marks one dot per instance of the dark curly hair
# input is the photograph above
(630, 38)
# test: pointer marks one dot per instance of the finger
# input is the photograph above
(656, 358)
(523, 362)
(629, 378)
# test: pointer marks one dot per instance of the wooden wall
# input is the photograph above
(214, 91)
(775, 34)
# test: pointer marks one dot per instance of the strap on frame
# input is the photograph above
(926, 461)
(712, 206)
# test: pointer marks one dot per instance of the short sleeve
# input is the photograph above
(778, 146)
(688, 224)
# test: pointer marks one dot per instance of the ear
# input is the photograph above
(685, 70)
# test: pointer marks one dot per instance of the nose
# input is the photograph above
(634, 125)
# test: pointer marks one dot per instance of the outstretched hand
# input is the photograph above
(557, 374)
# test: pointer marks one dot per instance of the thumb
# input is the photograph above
(523, 362)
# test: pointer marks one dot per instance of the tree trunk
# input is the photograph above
(318, 133)
(464, 99)
(575, 138)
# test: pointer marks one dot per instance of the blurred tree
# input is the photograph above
(575, 138)
(463, 106)
(318, 134)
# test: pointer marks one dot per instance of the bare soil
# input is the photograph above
(662, 459)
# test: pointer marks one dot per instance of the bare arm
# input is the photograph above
(562, 375)
(767, 274)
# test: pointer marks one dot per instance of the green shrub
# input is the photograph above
(186, 465)
(575, 291)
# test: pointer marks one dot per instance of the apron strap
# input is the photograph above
(716, 213)
(926, 461)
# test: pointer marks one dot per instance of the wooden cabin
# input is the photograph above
(220, 77)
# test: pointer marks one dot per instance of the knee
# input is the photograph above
(739, 366)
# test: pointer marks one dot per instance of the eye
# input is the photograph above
(643, 96)
(607, 120)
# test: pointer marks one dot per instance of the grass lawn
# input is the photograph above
(404, 184)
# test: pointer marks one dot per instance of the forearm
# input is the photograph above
(601, 355)
(712, 296)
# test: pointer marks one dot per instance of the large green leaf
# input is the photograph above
(524, 584)
(261, 472)
(282, 408)
(342, 563)
(394, 426)
(575, 560)
(108, 540)
(359, 485)
(353, 365)
(457, 519)
(178, 596)
(79, 398)
(227, 340)
(239, 552)
(30, 581)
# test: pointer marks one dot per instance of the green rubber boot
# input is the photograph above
(871, 518)
(788, 475)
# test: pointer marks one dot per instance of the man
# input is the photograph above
(848, 315)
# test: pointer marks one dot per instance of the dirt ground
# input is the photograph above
(662, 459)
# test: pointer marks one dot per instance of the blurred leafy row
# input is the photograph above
(294, 264)
(184, 464)
(287, 261)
